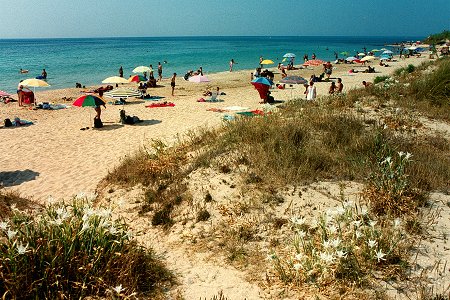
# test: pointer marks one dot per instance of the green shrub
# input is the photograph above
(379, 79)
(74, 251)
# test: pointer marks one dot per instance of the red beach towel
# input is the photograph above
(165, 104)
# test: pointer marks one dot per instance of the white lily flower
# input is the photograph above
(340, 211)
(11, 234)
(80, 195)
(118, 289)
(380, 255)
(336, 242)
(347, 204)
(332, 229)
(358, 234)
(357, 223)
(21, 249)
(301, 234)
(299, 256)
(401, 153)
(397, 222)
(298, 220)
(341, 254)
(372, 223)
(297, 266)
(408, 156)
(4, 225)
(387, 160)
(112, 229)
(364, 211)
(326, 257)
(371, 243)
(86, 226)
(326, 244)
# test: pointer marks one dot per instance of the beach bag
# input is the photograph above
(98, 123)
(8, 123)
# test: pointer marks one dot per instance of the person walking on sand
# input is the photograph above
(311, 91)
(260, 61)
(159, 71)
(121, 71)
(172, 83)
(231, 65)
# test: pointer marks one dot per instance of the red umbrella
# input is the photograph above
(314, 62)
(88, 100)
(4, 94)
(137, 78)
(262, 85)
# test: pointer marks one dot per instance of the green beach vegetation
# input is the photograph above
(438, 37)
(370, 136)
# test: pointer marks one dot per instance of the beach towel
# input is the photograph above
(256, 112)
(164, 104)
(217, 109)
(236, 108)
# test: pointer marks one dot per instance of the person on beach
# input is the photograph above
(328, 69)
(160, 71)
(339, 86)
(44, 74)
(332, 88)
(120, 71)
(200, 71)
(305, 58)
(367, 84)
(231, 65)
(150, 72)
(172, 83)
(313, 56)
(260, 61)
(311, 91)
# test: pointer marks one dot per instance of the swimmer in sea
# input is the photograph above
(21, 71)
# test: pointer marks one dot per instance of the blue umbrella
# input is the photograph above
(262, 80)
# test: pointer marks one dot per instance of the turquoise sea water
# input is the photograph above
(91, 60)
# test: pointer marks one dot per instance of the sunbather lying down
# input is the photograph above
(126, 119)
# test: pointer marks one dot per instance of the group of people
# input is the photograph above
(151, 75)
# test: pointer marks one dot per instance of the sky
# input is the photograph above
(138, 18)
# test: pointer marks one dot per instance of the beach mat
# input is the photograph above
(165, 104)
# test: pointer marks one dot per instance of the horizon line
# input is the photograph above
(205, 36)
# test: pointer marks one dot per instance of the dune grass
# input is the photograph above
(74, 251)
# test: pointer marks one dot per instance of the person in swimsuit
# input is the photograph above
(172, 82)
(160, 71)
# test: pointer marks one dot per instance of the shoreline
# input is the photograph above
(54, 157)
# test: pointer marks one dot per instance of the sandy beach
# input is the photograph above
(53, 157)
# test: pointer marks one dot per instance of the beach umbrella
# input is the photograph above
(34, 83)
(4, 94)
(383, 49)
(361, 54)
(123, 93)
(367, 58)
(267, 62)
(88, 100)
(293, 80)
(387, 52)
(289, 55)
(314, 62)
(198, 78)
(345, 53)
(375, 50)
(384, 58)
(262, 85)
(115, 79)
(141, 69)
(351, 58)
(137, 78)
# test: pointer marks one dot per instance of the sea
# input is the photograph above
(90, 60)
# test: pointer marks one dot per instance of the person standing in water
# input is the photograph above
(121, 71)
(231, 65)
(160, 71)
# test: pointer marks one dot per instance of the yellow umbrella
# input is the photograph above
(366, 58)
(267, 62)
(115, 79)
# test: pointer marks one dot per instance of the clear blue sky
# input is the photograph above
(90, 18)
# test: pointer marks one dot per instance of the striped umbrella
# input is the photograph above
(88, 100)
(123, 93)
(137, 78)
